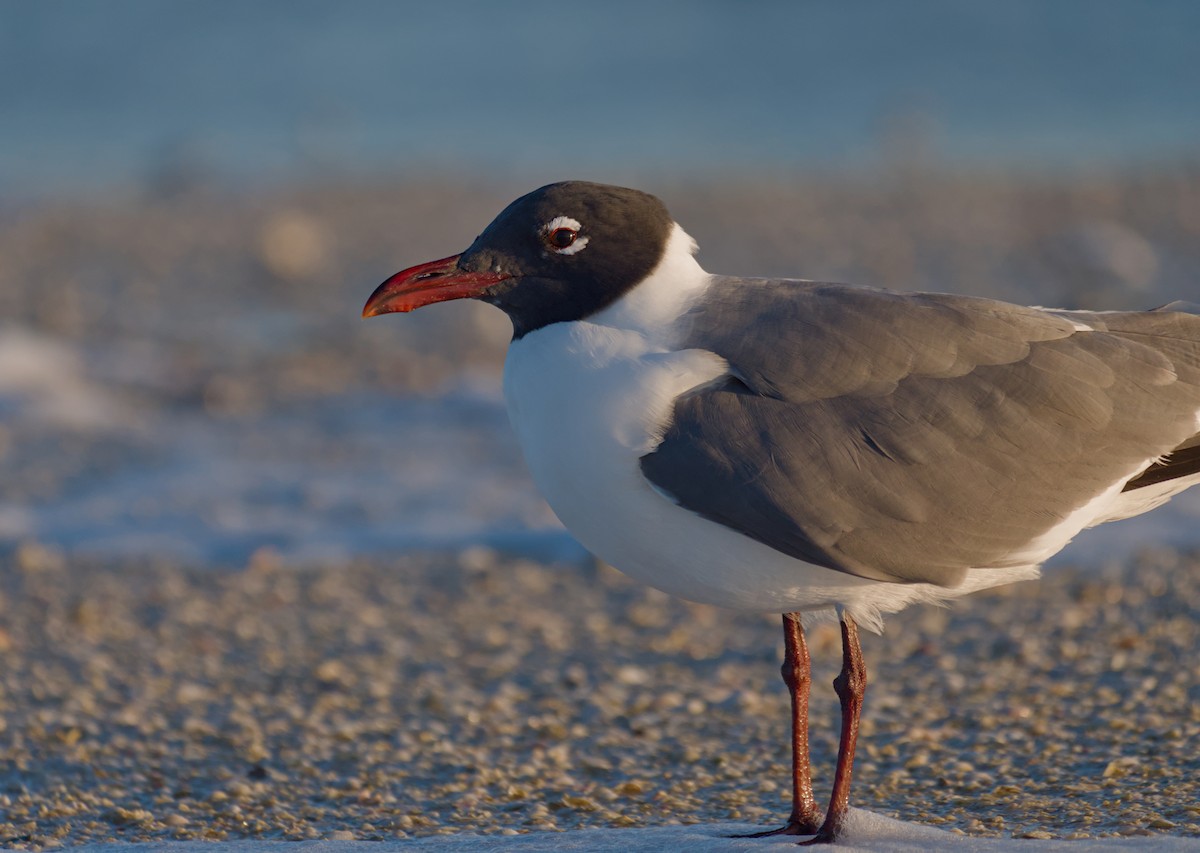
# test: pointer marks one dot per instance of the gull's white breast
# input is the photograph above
(587, 402)
(588, 399)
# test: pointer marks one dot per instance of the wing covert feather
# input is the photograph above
(909, 437)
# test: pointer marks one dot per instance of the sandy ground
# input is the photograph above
(433, 696)
(149, 696)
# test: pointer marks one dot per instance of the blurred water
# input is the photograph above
(100, 93)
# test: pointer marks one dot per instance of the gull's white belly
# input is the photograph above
(587, 401)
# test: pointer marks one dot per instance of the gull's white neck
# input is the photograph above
(660, 298)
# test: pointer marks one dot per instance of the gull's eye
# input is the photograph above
(561, 235)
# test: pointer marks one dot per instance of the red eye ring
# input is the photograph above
(561, 238)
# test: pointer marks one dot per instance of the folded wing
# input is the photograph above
(909, 437)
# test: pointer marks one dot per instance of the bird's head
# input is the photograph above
(560, 253)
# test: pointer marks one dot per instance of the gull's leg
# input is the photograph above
(797, 675)
(805, 818)
(850, 685)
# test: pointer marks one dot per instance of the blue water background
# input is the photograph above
(96, 93)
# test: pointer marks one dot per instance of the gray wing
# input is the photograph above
(908, 437)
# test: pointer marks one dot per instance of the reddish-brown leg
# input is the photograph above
(850, 685)
(805, 818)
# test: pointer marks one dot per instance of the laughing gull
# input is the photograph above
(797, 446)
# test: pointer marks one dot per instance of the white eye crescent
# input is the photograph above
(561, 235)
